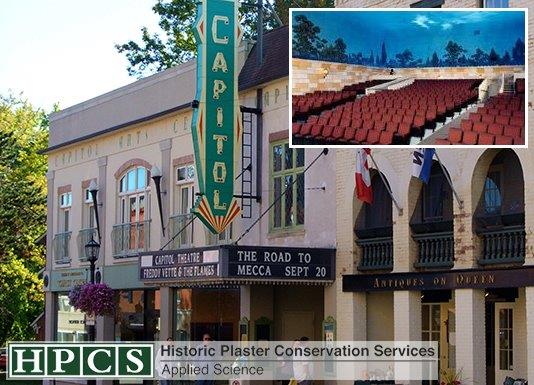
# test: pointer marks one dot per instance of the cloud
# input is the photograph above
(446, 26)
(423, 21)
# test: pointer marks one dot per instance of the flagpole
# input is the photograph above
(399, 209)
(460, 202)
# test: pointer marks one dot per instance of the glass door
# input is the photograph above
(504, 341)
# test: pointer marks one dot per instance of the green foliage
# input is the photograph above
(453, 51)
(23, 132)
(306, 40)
(21, 300)
(282, 6)
(155, 53)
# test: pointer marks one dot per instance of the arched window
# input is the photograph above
(374, 229)
(435, 200)
(131, 234)
(432, 222)
(375, 219)
(499, 219)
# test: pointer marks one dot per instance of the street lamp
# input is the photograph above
(156, 177)
(93, 190)
(92, 250)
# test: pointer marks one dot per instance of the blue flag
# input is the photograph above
(422, 163)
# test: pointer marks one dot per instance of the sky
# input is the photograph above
(423, 32)
(62, 51)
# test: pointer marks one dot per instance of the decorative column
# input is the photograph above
(471, 335)
(166, 312)
(529, 307)
(407, 323)
(165, 147)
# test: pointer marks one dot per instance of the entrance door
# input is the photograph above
(296, 324)
(504, 341)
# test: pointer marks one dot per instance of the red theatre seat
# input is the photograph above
(466, 125)
(373, 137)
(506, 140)
(386, 137)
(361, 135)
(495, 129)
(455, 135)
(480, 127)
(470, 137)
(486, 139)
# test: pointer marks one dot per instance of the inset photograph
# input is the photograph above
(408, 77)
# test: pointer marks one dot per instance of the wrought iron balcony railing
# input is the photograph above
(62, 247)
(130, 238)
(505, 245)
(177, 223)
(376, 253)
(84, 236)
(435, 249)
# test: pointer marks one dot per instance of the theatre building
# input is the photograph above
(454, 269)
(270, 286)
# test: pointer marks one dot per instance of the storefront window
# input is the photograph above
(137, 316)
(202, 310)
(506, 344)
(70, 322)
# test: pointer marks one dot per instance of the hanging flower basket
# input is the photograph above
(93, 298)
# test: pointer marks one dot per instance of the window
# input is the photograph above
(437, 196)
(65, 203)
(427, 4)
(495, 3)
(492, 193)
(379, 213)
(287, 167)
(132, 233)
(184, 199)
(185, 174)
(70, 322)
(506, 343)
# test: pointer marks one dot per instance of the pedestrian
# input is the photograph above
(165, 381)
(302, 368)
(206, 340)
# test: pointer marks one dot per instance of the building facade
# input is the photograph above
(117, 141)
(453, 270)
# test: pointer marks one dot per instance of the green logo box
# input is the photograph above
(80, 360)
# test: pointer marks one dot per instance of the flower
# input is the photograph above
(74, 296)
(93, 298)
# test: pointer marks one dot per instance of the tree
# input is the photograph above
(384, 56)
(479, 58)
(306, 40)
(506, 59)
(493, 57)
(518, 52)
(404, 58)
(282, 6)
(435, 62)
(452, 53)
(155, 53)
(336, 51)
(23, 133)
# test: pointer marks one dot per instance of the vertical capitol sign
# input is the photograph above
(216, 123)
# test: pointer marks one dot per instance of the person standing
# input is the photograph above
(302, 368)
(206, 340)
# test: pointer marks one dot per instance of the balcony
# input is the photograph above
(435, 249)
(376, 253)
(177, 223)
(504, 245)
(129, 239)
(62, 247)
(84, 236)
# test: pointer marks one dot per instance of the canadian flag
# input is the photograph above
(364, 192)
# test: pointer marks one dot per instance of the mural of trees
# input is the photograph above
(308, 44)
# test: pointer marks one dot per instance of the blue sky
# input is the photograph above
(421, 32)
(63, 50)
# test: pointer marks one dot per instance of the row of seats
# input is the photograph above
(361, 88)
(315, 102)
(391, 116)
(500, 121)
